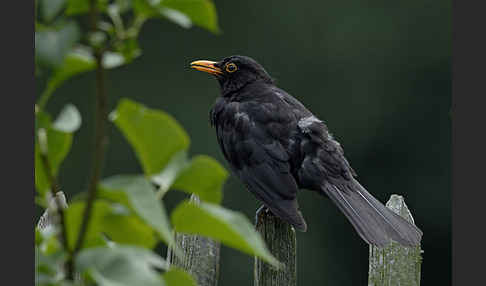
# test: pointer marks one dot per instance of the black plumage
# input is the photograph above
(276, 146)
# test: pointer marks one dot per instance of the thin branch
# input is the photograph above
(54, 189)
(100, 133)
(45, 96)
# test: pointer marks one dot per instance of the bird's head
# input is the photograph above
(233, 73)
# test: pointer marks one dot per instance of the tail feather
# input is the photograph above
(375, 223)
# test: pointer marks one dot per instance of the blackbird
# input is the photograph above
(276, 146)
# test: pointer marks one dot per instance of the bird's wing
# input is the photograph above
(261, 162)
(325, 149)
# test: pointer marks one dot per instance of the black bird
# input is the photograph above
(276, 146)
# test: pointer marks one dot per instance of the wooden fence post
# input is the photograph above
(49, 216)
(200, 256)
(280, 239)
(395, 264)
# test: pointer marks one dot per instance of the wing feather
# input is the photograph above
(261, 163)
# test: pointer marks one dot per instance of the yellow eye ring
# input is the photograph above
(231, 67)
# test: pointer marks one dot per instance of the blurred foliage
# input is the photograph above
(140, 195)
(178, 277)
(53, 139)
(49, 258)
(128, 218)
(121, 265)
(231, 228)
(153, 148)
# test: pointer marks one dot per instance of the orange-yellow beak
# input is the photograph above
(206, 66)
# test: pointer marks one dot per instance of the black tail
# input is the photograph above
(374, 222)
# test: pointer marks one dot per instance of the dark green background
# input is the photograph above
(377, 72)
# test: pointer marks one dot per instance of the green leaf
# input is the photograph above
(58, 143)
(201, 12)
(42, 119)
(49, 256)
(97, 39)
(121, 266)
(48, 239)
(58, 146)
(115, 221)
(52, 44)
(182, 12)
(115, 196)
(155, 135)
(145, 8)
(178, 277)
(75, 7)
(73, 216)
(113, 60)
(177, 17)
(77, 61)
(125, 228)
(50, 8)
(38, 237)
(123, 5)
(48, 268)
(129, 48)
(69, 120)
(229, 227)
(140, 194)
(204, 177)
(169, 174)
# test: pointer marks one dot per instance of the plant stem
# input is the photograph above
(45, 96)
(100, 134)
(54, 189)
(99, 152)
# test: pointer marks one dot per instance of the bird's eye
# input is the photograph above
(231, 67)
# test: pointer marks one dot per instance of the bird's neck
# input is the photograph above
(230, 88)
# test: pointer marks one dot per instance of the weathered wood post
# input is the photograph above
(200, 256)
(50, 217)
(280, 239)
(395, 264)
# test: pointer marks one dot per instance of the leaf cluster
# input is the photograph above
(65, 44)
(128, 219)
